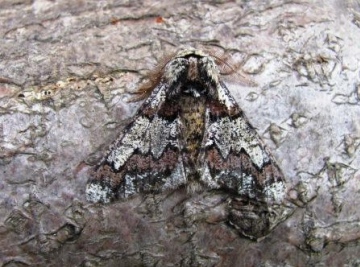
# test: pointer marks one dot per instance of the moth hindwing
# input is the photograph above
(190, 131)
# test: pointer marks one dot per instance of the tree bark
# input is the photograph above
(67, 70)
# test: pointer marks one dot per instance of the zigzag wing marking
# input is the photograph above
(146, 156)
(233, 155)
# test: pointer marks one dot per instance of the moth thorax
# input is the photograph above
(193, 70)
(193, 126)
(194, 90)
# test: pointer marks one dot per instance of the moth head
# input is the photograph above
(187, 52)
(189, 71)
(193, 73)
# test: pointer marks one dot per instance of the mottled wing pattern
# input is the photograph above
(145, 159)
(233, 155)
(189, 131)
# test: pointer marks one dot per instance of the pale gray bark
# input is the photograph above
(66, 70)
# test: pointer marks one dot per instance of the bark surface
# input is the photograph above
(67, 69)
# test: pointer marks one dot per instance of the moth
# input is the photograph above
(189, 131)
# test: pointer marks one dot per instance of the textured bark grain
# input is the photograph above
(66, 71)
